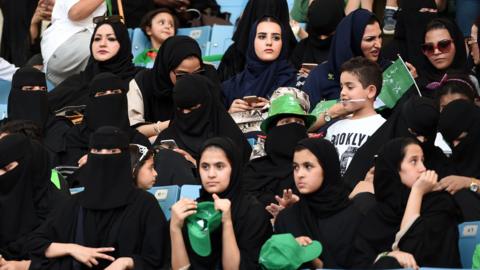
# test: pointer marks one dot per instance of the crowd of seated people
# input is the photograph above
(351, 185)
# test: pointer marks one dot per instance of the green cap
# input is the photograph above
(282, 252)
(200, 225)
(284, 106)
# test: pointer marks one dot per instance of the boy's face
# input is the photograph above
(354, 97)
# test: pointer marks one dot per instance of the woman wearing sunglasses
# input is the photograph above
(444, 50)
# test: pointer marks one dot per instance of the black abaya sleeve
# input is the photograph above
(433, 237)
(469, 204)
(253, 230)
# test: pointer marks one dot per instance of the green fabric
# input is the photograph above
(108, 3)
(284, 106)
(282, 252)
(142, 59)
(199, 226)
(323, 106)
(299, 10)
(55, 179)
(396, 81)
(212, 58)
(476, 258)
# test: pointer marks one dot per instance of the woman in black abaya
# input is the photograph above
(199, 115)
(324, 212)
(111, 223)
(323, 18)
(25, 195)
(74, 90)
(107, 105)
(245, 227)
(403, 229)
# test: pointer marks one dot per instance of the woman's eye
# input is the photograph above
(112, 39)
(277, 38)
(97, 39)
(262, 36)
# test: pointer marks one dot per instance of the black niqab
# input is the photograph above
(107, 178)
(211, 119)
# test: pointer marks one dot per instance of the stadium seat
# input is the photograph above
(190, 191)
(469, 237)
(235, 8)
(140, 42)
(201, 34)
(221, 39)
(5, 87)
(76, 190)
(166, 197)
(3, 111)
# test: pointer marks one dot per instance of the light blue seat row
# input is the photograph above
(468, 239)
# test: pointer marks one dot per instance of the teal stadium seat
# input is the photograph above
(468, 239)
(201, 34)
(166, 197)
(140, 42)
(190, 191)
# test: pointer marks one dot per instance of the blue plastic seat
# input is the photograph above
(190, 191)
(140, 42)
(166, 197)
(76, 190)
(468, 239)
(221, 39)
(201, 34)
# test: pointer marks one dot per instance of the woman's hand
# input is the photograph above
(412, 70)
(305, 241)
(224, 206)
(406, 260)
(89, 256)
(180, 211)
(239, 105)
(288, 198)
(426, 182)
(274, 209)
(186, 155)
(261, 103)
(453, 183)
(14, 265)
(123, 263)
(82, 161)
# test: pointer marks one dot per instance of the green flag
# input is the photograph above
(323, 106)
(396, 81)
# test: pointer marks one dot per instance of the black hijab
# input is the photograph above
(418, 114)
(457, 117)
(234, 59)
(323, 18)
(74, 90)
(155, 83)
(267, 176)
(28, 105)
(107, 178)
(250, 220)
(427, 72)
(260, 78)
(22, 188)
(211, 119)
(438, 216)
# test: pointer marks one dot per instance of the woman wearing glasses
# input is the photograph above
(150, 103)
(444, 48)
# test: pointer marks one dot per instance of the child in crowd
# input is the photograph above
(143, 170)
(157, 25)
(361, 81)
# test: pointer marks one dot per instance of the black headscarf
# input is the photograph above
(155, 83)
(438, 216)
(74, 90)
(332, 196)
(457, 117)
(323, 18)
(104, 110)
(428, 73)
(22, 189)
(107, 178)
(267, 176)
(250, 220)
(211, 119)
(259, 78)
(28, 105)
(418, 114)
(234, 59)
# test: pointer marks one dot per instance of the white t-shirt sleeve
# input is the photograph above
(6, 70)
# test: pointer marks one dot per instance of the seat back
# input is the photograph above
(166, 197)
(468, 239)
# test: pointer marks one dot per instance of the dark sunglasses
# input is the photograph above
(112, 18)
(180, 74)
(443, 46)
